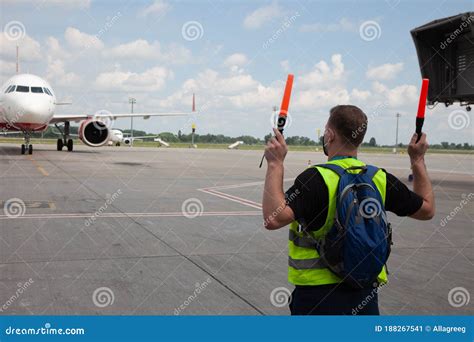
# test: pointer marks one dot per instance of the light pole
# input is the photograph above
(396, 134)
(132, 101)
(193, 130)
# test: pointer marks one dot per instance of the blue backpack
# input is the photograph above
(357, 246)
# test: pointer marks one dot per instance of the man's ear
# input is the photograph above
(330, 135)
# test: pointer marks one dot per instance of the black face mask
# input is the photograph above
(324, 147)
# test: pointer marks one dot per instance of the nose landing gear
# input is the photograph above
(27, 146)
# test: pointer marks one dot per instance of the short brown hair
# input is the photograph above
(350, 122)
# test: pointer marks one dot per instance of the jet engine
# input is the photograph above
(94, 133)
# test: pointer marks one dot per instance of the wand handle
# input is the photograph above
(419, 126)
(281, 123)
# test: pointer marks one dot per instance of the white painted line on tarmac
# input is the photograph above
(125, 215)
(233, 198)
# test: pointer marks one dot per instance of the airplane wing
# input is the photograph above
(10, 132)
(111, 116)
(143, 137)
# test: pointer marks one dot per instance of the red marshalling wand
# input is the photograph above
(285, 103)
(420, 115)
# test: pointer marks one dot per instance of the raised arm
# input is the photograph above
(276, 213)
(421, 181)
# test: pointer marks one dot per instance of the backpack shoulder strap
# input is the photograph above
(371, 171)
(336, 168)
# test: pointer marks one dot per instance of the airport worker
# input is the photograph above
(339, 237)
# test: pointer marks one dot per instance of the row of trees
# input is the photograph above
(52, 133)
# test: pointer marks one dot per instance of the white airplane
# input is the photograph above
(235, 145)
(117, 138)
(28, 103)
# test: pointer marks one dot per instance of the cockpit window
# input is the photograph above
(47, 91)
(11, 89)
(8, 89)
(23, 89)
(36, 90)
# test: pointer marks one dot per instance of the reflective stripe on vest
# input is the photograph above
(302, 241)
(304, 265)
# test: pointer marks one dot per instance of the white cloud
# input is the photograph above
(142, 49)
(402, 95)
(150, 80)
(137, 49)
(57, 75)
(262, 15)
(324, 74)
(7, 68)
(55, 50)
(360, 95)
(80, 40)
(384, 72)
(157, 8)
(343, 25)
(29, 49)
(68, 4)
(237, 59)
(321, 98)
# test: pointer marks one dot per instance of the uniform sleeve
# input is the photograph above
(308, 198)
(399, 199)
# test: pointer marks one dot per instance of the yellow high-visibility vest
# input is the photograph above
(305, 267)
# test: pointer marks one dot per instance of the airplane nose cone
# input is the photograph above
(36, 111)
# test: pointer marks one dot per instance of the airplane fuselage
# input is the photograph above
(27, 104)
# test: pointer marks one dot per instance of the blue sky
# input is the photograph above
(98, 53)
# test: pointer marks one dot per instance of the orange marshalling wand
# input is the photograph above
(285, 103)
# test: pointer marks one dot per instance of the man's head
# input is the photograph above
(345, 129)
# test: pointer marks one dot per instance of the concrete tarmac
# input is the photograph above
(145, 231)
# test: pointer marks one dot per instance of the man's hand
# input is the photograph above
(417, 150)
(276, 213)
(276, 149)
(421, 181)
